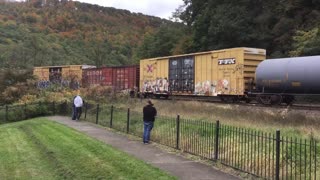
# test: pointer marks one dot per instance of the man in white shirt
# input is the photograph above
(78, 103)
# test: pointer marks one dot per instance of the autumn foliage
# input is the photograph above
(62, 32)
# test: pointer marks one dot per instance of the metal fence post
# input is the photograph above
(65, 107)
(128, 120)
(54, 107)
(178, 132)
(216, 145)
(85, 110)
(277, 155)
(111, 116)
(7, 109)
(315, 159)
(25, 110)
(97, 115)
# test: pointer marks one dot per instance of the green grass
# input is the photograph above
(41, 149)
(243, 127)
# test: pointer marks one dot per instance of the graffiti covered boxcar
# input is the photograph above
(119, 77)
(68, 75)
(225, 73)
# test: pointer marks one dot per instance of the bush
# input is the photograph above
(27, 111)
(98, 94)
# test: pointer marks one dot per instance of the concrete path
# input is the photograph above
(173, 164)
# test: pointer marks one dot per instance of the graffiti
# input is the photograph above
(205, 88)
(212, 88)
(158, 85)
(223, 84)
(239, 68)
(43, 84)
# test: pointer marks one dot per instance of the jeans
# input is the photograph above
(146, 131)
(78, 112)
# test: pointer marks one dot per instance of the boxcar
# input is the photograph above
(227, 73)
(119, 77)
(65, 75)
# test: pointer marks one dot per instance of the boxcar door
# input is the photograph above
(181, 74)
(55, 74)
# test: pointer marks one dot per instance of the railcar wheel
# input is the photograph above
(264, 99)
(245, 98)
(248, 100)
(269, 99)
(288, 99)
(276, 99)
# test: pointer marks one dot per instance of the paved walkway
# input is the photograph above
(176, 165)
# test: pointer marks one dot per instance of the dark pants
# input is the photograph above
(147, 127)
(78, 112)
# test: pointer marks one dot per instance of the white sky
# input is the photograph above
(159, 8)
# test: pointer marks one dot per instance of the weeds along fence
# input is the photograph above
(265, 155)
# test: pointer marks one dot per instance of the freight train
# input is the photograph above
(236, 74)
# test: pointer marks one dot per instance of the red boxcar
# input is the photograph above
(118, 77)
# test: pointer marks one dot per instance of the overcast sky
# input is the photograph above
(159, 8)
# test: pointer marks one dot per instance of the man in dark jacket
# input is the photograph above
(149, 113)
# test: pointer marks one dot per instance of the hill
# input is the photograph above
(53, 32)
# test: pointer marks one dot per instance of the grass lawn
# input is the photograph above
(41, 149)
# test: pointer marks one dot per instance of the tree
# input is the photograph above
(60, 32)
(14, 83)
(162, 43)
(99, 51)
(269, 24)
(306, 43)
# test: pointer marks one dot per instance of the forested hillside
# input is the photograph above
(284, 28)
(58, 32)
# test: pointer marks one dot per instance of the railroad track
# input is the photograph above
(306, 107)
(217, 100)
